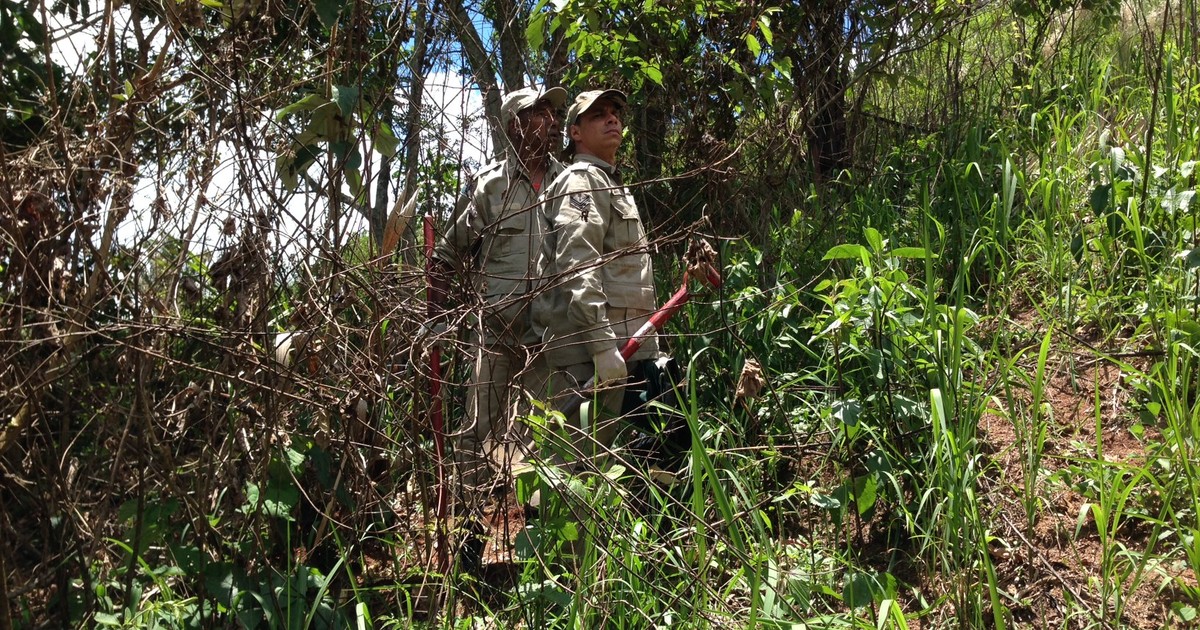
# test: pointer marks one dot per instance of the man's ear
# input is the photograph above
(574, 132)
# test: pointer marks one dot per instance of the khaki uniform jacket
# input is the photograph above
(495, 238)
(596, 266)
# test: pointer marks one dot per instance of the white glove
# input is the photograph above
(433, 335)
(610, 366)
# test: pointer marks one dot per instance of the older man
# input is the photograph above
(493, 244)
(596, 265)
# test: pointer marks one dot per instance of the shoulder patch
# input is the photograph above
(490, 166)
(580, 166)
(581, 201)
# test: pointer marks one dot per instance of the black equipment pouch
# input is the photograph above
(660, 435)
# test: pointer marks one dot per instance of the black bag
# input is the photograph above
(660, 435)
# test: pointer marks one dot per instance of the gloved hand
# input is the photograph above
(433, 333)
(610, 366)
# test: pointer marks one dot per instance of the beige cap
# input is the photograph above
(584, 102)
(524, 98)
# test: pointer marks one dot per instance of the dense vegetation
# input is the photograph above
(950, 380)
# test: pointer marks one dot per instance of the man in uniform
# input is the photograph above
(493, 245)
(597, 270)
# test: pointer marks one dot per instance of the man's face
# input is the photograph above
(598, 130)
(537, 128)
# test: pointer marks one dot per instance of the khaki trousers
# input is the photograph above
(503, 379)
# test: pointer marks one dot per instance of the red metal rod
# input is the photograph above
(435, 410)
(655, 323)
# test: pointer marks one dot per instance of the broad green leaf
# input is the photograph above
(825, 501)
(653, 73)
(354, 182)
(1077, 246)
(348, 152)
(535, 33)
(328, 11)
(839, 252)
(1174, 202)
(857, 591)
(865, 493)
(1191, 258)
(279, 500)
(295, 460)
(287, 174)
(308, 103)
(846, 411)
(568, 530)
(783, 67)
(764, 25)
(346, 97)
(1099, 199)
(874, 239)
(911, 252)
(753, 45)
(108, 619)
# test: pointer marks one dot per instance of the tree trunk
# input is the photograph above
(481, 68)
(826, 78)
(510, 25)
(416, 95)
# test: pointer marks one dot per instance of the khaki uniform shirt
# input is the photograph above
(494, 239)
(596, 266)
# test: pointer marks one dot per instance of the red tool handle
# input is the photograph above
(435, 410)
(654, 324)
(668, 310)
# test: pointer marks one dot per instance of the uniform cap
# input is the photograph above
(584, 102)
(524, 98)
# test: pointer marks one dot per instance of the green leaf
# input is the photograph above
(874, 239)
(653, 73)
(328, 11)
(1077, 246)
(1191, 258)
(839, 252)
(764, 25)
(274, 500)
(857, 591)
(287, 174)
(825, 502)
(753, 45)
(535, 33)
(568, 530)
(912, 252)
(865, 493)
(783, 67)
(354, 182)
(295, 460)
(346, 97)
(1099, 199)
(108, 619)
(308, 103)
(1175, 202)
(846, 411)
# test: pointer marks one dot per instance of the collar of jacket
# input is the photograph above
(592, 160)
(514, 167)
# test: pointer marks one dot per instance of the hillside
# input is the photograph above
(949, 379)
